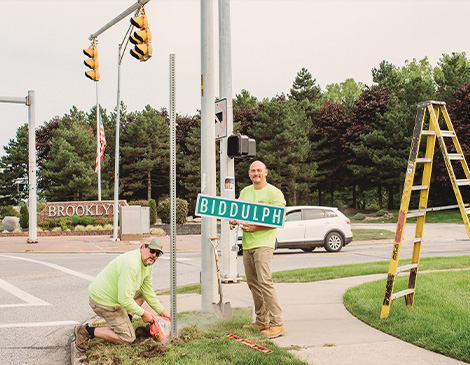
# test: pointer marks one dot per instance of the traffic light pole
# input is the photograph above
(208, 166)
(117, 19)
(227, 169)
(116, 152)
(32, 184)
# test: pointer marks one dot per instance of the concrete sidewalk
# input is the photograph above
(319, 329)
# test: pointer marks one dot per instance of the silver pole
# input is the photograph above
(208, 175)
(98, 141)
(13, 100)
(33, 231)
(116, 152)
(117, 19)
(173, 195)
(227, 237)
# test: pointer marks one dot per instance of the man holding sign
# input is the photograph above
(258, 247)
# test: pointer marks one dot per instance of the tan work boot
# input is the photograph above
(256, 325)
(81, 338)
(274, 331)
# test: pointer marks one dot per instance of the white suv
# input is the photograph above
(307, 227)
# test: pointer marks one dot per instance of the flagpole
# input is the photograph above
(98, 144)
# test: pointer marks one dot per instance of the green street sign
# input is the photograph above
(248, 212)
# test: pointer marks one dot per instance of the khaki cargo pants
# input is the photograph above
(117, 319)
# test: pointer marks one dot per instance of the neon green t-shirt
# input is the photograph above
(267, 195)
(118, 282)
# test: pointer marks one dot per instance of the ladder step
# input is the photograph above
(417, 239)
(415, 213)
(455, 156)
(406, 267)
(463, 182)
(402, 293)
(447, 133)
(423, 160)
(419, 187)
(427, 133)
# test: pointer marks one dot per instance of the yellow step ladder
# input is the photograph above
(434, 109)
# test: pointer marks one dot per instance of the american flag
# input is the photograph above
(102, 146)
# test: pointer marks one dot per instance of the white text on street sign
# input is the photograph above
(248, 212)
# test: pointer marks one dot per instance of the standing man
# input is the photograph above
(258, 247)
(118, 292)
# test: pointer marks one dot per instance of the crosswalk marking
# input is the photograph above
(30, 300)
(39, 324)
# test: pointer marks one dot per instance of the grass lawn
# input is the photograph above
(372, 234)
(202, 341)
(440, 216)
(438, 321)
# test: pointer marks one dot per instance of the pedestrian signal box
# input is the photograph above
(240, 146)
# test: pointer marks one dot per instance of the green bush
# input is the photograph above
(64, 223)
(381, 213)
(359, 217)
(87, 221)
(181, 210)
(51, 222)
(41, 206)
(24, 216)
(44, 224)
(76, 219)
(9, 211)
(142, 203)
(153, 211)
(102, 221)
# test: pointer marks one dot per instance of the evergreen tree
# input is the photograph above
(190, 163)
(145, 155)
(14, 168)
(283, 145)
(304, 87)
(70, 167)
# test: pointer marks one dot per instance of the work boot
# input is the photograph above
(81, 338)
(260, 327)
(274, 331)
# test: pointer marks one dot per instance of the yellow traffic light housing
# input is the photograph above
(142, 39)
(92, 63)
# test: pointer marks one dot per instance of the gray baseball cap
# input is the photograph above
(155, 244)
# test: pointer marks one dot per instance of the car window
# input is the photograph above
(312, 214)
(330, 214)
(293, 216)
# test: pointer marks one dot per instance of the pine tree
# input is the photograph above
(145, 155)
(304, 87)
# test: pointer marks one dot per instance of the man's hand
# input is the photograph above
(233, 222)
(147, 317)
(165, 314)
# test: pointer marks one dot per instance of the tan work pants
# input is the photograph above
(258, 267)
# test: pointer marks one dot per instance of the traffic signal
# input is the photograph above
(92, 63)
(240, 146)
(141, 38)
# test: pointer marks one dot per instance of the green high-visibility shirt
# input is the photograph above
(118, 282)
(267, 195)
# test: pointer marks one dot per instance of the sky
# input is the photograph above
(43, 42)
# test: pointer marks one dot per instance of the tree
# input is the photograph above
(70, 167)
(304, 87)
(191, 166)
(14, 167)
(345, 93)
(452, 72)
(145, 154)
(283, 145)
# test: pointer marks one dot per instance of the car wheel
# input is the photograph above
(334, 242)
(309, 249)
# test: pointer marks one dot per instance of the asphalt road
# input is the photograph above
(43, 296)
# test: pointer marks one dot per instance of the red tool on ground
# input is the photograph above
(249, 344)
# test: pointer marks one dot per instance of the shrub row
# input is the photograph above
(74, 220)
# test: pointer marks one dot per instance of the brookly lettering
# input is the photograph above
(80, 210)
